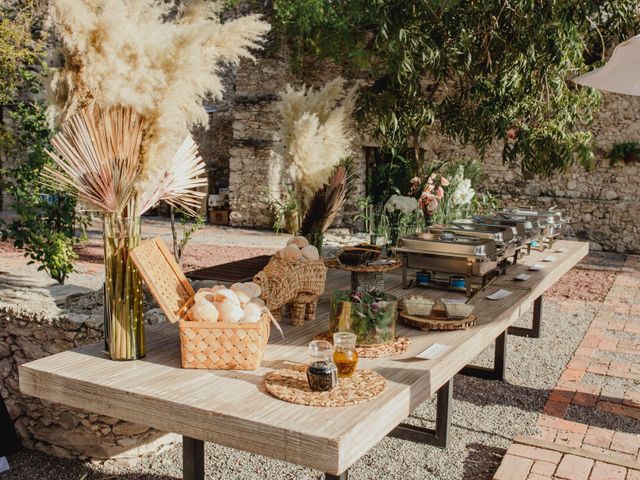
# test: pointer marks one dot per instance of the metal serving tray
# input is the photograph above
(531, 225)
(454, 245)
(506, 244)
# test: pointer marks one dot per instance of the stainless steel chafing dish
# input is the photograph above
(518, 230)
(533, 232)
(506, 243)
(468, 257)
(551, 220)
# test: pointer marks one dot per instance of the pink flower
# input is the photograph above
(443, 181)
(440, 192)
(433, 206)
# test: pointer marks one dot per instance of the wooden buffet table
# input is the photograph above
(231, 408)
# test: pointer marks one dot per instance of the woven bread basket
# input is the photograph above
(208, 345)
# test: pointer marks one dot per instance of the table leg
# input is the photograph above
(404, 271)
(192, 459)
(499, 361)
(343, 476)
(439, 436)
(536, 326)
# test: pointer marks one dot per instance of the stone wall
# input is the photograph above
(53, 428)
(604, 204)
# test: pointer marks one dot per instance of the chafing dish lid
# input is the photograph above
(456, 245)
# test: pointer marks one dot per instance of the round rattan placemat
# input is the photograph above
(397, 346)
(290, 384)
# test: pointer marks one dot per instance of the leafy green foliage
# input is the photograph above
(45, 219)
(475, 71)
(188, 226)
(627, 152)
(44, 225)
(283, 205)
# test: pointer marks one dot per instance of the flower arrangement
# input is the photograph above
(444, 198)
(126, 53)
(130, 89)
(370, 315)
(316, 134)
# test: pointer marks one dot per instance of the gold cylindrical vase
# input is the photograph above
(123, 299)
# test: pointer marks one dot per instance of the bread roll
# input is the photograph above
(298, 241)
(226, 294)
(252, 312)
(291, 253)
(204, 295)
(203, 312)
(253, 288)
(242, 292)
(230, 311)
(310, 253)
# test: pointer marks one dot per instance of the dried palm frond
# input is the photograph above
(329, 199)
(99, 157)
(178, 184)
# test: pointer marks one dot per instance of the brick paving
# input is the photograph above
(601, 381)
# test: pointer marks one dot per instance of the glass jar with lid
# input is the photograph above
(345, 355)
(322, 373)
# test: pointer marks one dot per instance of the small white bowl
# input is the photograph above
(458, 310)
(420, 306)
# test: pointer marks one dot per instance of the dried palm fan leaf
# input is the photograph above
(99, 152)
(178, 183)
(100, 160)
(329, 199)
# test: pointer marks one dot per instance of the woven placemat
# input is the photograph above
(397, 346)
(290, 384)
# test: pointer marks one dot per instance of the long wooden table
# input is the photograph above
(231, 408)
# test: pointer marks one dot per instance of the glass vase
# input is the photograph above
(371, 316)
(123, 299)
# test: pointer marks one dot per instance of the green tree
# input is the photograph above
(44, 222)
(476, 71)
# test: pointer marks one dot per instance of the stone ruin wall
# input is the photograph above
(54, 428)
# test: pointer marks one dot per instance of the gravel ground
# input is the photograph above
(583, 284)
(486, 416)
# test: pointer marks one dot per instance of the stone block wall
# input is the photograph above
(604, 204)
(53, 428)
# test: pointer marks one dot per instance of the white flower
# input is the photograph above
(463, 193)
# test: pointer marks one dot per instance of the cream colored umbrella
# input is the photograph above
(621, 74)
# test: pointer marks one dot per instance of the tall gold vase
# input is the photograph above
(123, 300)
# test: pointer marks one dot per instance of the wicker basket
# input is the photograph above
(296, 285)
(213, 346)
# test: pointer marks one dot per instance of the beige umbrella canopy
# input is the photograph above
(621, 74)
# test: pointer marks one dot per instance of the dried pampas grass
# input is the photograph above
(315, 129)
(126, 53)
